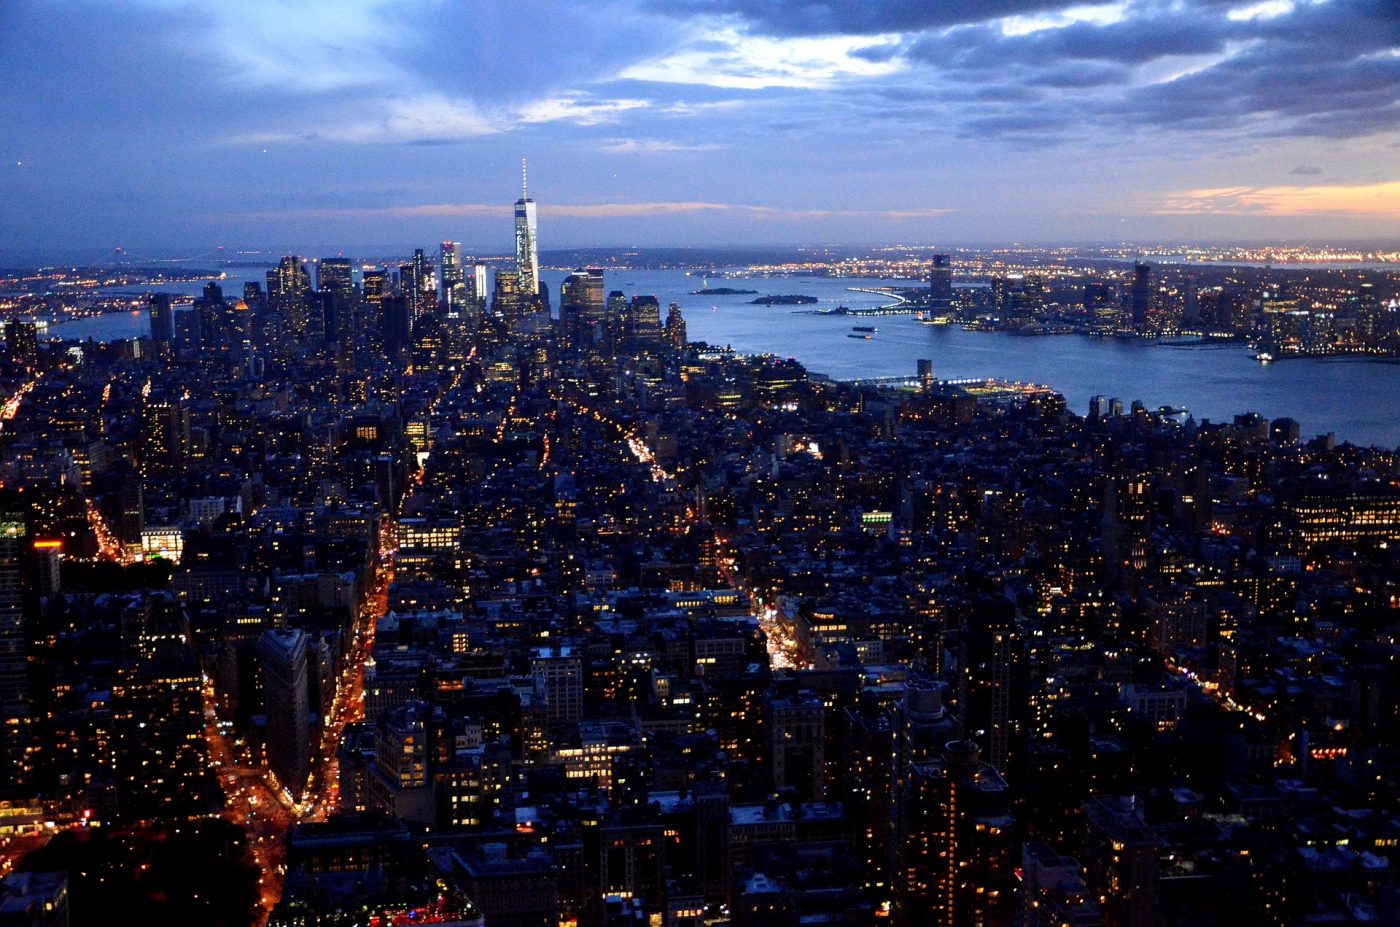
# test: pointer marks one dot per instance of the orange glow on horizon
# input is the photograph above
(1380, 200)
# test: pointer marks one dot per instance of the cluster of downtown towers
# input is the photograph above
(535, 618)
(457, 289)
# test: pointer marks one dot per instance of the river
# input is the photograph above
(1356, 399)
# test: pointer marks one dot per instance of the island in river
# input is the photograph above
(788, 300)
(722, 291)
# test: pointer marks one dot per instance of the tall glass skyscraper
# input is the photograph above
(15, 723)
(452, 289)
(527, 256)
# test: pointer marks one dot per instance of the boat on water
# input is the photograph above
(1264, 357)
(863, 337)
(928, 318)
(864, 328)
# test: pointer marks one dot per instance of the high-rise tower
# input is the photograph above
(940, 283)
(416, 282)
(452, 290)
(288, 292)
(1141, 293)
(957, 867)
(582, 307)
(527, 256)
(162, 320)
(284, 684)
(14, 674)
(336, 274)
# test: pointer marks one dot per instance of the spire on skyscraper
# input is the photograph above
(527, 258)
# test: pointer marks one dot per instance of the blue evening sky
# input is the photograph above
(167, 123)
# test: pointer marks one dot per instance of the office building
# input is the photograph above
(1369, 516)
(675, 328)
(288, 292)
(287, 707)
(416, 282)
(15, 718)
(1122, 858)
(34, 899)
(400, 781)
(940, 283)
(991, 655)
(582, 307)
(161, 758)
(165, 437)
(510, 301)
(527, 258)
(1141, 293)
(375, 285)
(1053, 892)
(958, 867)
(477, 284)
(452, 287)
(336, 275)
(797, 744)
(162, 320)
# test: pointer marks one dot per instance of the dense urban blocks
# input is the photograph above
(408, 599)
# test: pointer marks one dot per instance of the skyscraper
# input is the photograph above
(395, 324)
(1121, 860)
(165, 437)
(162, 322)
(478, 283)
(284, 684)
(1141, 293)
(288, 287)
(922, 725)
(415, 282)
(644, 321)
(796, 744)
(584, 289)
(581, 306)
(209, 311)
(1370, 315)
(940, 282)
(958, 867)
(527, 257)
(132, 497)
(22, 343)
(451, 284)
(615, 320)
(14, 672)
(401, 782)
(675, 328)
(991, 657)
(510, 299)
(160, 755)
(376, 285)
(335, 275)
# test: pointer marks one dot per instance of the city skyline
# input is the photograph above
(714, 122)
(882, 586)
(936, 464)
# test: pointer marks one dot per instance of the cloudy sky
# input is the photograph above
(160, 123)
